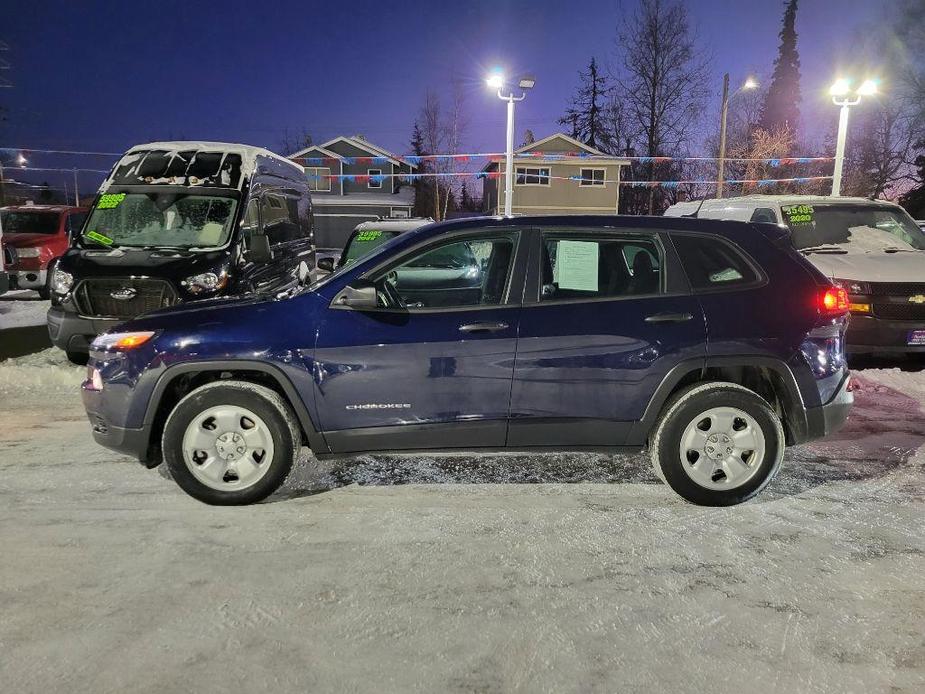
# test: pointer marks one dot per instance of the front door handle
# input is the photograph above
(483, 327)
(669, 318)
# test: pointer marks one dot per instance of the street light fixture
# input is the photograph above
(749, 84)
(21, 160)
(496, 81)
(842, 95)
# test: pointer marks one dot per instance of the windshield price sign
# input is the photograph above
(99, 238)
(798, 214)
(109, 201)
(369, 235)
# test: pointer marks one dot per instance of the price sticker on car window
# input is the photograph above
(798, 214)
(99, 238)
(110, 200)
(369, 235)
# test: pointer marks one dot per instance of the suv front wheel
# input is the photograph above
(717, 444)
(231, 442)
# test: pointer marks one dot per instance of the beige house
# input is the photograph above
(551, 177)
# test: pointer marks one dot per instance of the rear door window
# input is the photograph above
(578, 267)
(711, 263)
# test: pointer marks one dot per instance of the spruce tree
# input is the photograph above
(781, 105)
(585, 115)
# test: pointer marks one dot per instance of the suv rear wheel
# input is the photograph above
(717, 444)
(231, 442)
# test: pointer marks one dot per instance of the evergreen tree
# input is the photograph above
(585, 115)
(781, 106)
(423, 193)
(914, 199)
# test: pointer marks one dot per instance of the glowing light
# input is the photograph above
(750, 83)
(495, 80)
(867, 88)
(840, 87)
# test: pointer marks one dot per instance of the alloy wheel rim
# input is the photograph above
(722, 448)
(227, 448)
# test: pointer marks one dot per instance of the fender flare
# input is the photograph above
(793, 403)
(315, 439)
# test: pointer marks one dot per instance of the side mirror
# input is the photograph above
(361, 296)
(258, 249)
(326, 264)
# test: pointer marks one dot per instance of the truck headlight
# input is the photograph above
(31, 252)
(853, 286)
(205, 283)
(61, 281)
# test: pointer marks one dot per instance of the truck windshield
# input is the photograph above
(364, 242)
(851, 229)
(20, 222)
(160, 219)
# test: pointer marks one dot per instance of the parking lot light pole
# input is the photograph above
(843, 96)
(496, 81)
(749, 83)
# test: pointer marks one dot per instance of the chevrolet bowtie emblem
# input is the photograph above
(917, 299)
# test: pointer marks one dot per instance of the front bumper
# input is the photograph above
(869, 335)
(131, 442)
(73, 333)
(828, 418)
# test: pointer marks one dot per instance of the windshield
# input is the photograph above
(852, 229)
(364, 242)
(161, 219)
(29, 222)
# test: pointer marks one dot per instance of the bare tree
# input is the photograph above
(662, 79)
(293, 141)
(433, 137)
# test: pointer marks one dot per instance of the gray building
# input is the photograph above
(372, 191)
(540, 185)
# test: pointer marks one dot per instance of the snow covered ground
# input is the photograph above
(559, 573)
(22, 308)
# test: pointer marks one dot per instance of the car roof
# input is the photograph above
(730, 229)
(758, 200)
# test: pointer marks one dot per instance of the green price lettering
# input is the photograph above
(110, 200)
(99, 238)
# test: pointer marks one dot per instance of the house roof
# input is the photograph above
(357, 142)
(579, 147)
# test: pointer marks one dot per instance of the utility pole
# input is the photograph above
(722, 137)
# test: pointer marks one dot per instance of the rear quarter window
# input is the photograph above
(712, 263)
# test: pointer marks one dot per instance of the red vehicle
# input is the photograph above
(35, 236)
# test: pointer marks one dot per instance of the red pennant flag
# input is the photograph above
(364, 160)
(362, 179)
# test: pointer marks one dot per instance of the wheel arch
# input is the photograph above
(770, 377)
(180, 379)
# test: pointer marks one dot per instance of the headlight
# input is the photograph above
(61, 281)
(853, 286)
(121, 341)
(205, 283)
(31, 252)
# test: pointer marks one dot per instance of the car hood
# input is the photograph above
(119, 262)
(871, 267)
(25, 240)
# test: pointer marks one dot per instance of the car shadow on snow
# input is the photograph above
(885, 429)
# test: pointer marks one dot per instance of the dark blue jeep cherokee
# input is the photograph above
(713, 343)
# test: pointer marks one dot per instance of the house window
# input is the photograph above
(532, 176)
(374, 182)
(400, 213)
(318, 178)
(592, 177)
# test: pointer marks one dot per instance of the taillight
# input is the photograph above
(833, 301)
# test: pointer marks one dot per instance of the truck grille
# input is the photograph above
(94, 297)
(903, 289)
(900, 311)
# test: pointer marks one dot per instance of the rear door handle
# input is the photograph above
(483, 327)
(669, 318)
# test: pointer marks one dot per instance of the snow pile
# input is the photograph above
(40, 373)
(22, 308)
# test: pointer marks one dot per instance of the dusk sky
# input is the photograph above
(104, 76)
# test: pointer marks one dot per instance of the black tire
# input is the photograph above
(79, 358)
(684, 409)
(263, 402)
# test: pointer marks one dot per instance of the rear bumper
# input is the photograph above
(29, 279)
(71, 332)
(830, 417)
(868, 335)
